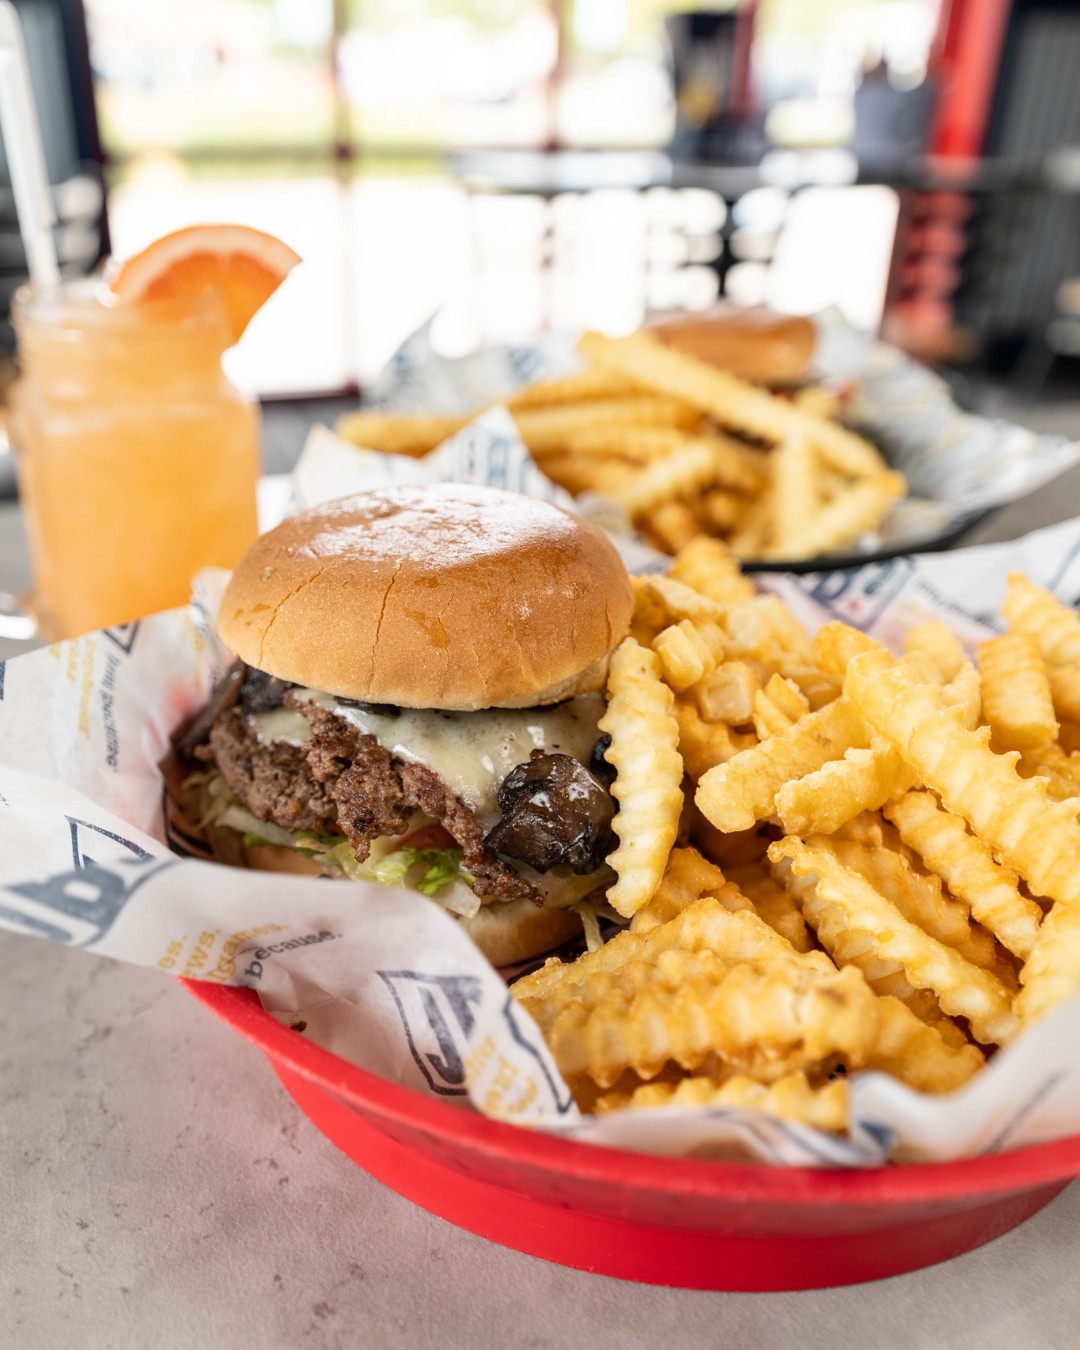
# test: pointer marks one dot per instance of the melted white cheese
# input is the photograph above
(473, 752)
(282, 724)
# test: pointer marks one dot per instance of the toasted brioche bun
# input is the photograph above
(505, 931)
(448, 596)
(756, 344)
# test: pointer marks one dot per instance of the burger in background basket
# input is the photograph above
(416, 697)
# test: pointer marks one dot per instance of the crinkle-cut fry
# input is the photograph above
(968, 868)
(719, 510)
(819, 401)
(584, 475)
(703, 745)
(1051, 975)
(796, 489)
(791, 1098)
(412, 434)
(727, 693)
(1040, 839)
(813, 683)
(584, 386)
(677, 601)
(783, 625)
(778, 706)
(1069, 735)
(851, 946)
(689, 468)
(704, 926)
(687, 877)
(736, 794)
(1016, 697)
(964, 692)
(1061, 771)
(640, 720)
(1031, 609)
(545, 429)
(735, 468)
(787, 696)
(963, 989)
(669, 526)
(728, 400)
(751, 539)
(836, 644)
(769, 720)
(920, 1055)
(685, 657)
(922, 901)
(823, 801)
(1065, 692)
(857, 511)
(938, 645)
(709, 567)
(625, 441)
(778, 908)
(765, 1023)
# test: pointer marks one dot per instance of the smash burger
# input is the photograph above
(415, 700)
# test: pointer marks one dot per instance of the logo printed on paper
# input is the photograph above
(436, 1013)
(859, 596)
(3, 664)
(79, 907)
(80, 859)
(559, 1093)
(123, 634)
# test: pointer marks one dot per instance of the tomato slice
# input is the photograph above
(429, 836)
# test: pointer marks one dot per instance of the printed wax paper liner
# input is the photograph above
(958, 466)
(383, 976)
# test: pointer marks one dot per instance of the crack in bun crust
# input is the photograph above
(449, 596)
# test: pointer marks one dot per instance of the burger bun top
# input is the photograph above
(449, 596)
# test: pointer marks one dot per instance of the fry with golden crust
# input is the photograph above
(1016, 698)
(687, 877)
(1052, 973)
(836, 644)
(842, 520)
(1031, 609)
(1040, 839)
(710, 567)
(918, 1054)
(584, 386)
(823, 801)
(648, 774)
(964, 990)
(936, 646)
(730, 401)
(968, 868)
(765, 1023)
(547, 429)
(790, 1098)
(685, 657)
(736, 794)
(412, 434)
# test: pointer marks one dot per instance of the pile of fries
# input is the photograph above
(830, 858)
(687, 449)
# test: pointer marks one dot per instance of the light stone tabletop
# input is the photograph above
(159, 1189)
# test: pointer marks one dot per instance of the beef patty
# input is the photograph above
(344, 781)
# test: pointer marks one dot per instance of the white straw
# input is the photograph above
(25, 157)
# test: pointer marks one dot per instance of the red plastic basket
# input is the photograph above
(697, 1225)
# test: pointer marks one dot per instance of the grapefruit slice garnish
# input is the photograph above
(241, 265)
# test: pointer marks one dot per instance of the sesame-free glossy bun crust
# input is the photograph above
(449, 596)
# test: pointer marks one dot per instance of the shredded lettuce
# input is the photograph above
(440, 867)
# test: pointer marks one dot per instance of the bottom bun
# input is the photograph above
(507, 932)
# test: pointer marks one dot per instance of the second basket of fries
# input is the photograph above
(806, 443)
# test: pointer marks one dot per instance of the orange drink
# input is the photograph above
(137, 458)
